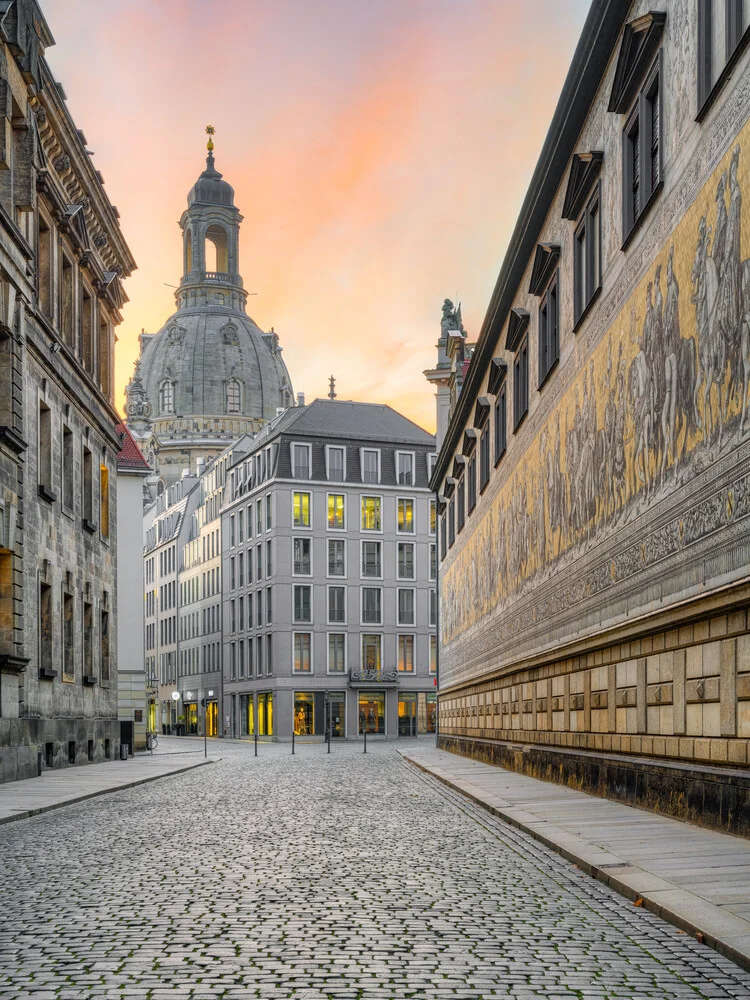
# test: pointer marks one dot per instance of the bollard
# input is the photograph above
(329, 742)
(256, 744)
(365, 750)
(39, 763)
(292, 741)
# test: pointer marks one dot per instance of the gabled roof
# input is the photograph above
(130, 457)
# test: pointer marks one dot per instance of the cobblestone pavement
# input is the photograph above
(318, 877)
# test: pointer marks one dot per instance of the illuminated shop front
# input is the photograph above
(265, 714)
(191, 717)
(426, 712)
(212, 718)
(247, 715)
(336, 714)
(407, 714)
(372, 713)
(304, 713)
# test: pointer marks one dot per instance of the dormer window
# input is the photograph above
(370, 459)
(166, 396)
(233, 396)
(405, 468)
(301, 461)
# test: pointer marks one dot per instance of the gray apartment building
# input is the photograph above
(329, 576)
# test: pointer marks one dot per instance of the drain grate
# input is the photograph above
(620, 864)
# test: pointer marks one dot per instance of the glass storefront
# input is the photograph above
(427, 712)
(191, 717)
(247, 715)
(304, 713)
(407, 714)
(265, 714)
(372, 712)
(212, 718)
(336, 713)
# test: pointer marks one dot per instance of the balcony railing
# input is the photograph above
(380, 676)
(218, 277)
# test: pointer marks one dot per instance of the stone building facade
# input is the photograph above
(210, 375)
(329, 562)
(62, 260)
(595, 525)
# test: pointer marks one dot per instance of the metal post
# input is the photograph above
(365, 750)
(256, 744)
(292, 739)
(329, 743)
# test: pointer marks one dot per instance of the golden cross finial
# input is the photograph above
(210, 130)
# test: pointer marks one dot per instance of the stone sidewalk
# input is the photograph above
(59, 787)
(697, 879)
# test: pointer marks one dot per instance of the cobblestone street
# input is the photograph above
(318, 876)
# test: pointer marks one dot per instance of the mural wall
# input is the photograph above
(662, 399)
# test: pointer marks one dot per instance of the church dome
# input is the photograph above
(210, 188)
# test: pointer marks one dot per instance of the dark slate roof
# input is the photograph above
(339, 418)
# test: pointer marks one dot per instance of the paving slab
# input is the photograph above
(61, 786)
(697, 879)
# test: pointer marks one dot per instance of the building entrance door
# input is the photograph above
(212, 718)
(407, 715)
(336, 713)
(191, 717)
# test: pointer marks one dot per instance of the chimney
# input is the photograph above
(300, 399)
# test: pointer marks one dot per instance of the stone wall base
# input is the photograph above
(21, 741)
(714, 797)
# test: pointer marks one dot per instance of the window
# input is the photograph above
(68, 643)
(406, 607)
(269, 654)
(371, 606)
(500, 425)
(166, 396)
(268, 512)
(335, 458)
(241, 561)
(87, 485)
(433, 517)
(371, 652)
(269, 559)
(336, 652)
(371, 514)
(471, 482)
(87, 329)
(484, 457)
(405, 468)
(104, 640)
(301, 510)
(371, 565)
(233, 396)
(44, 453)
(433, 654)
(259, 514)
(370, 466)
(587, 266)
(249, 521)
(232, 617)
(405, 561)
(461, 502)
(642, 152)
(66, 301)
(521, 383)
(88, 639)
(240, 527)
(232, 536)
(302, 605)
(722, 34)
(45, 627)
(405, 515)
(44, 268)
(406, 654)
(259, 608)
(549, 339)
(301, 461)
(433, 607)
(67, 468)
(269, 606)
(433, 561)
(451, 522)
(336, 557)
(337, 605)
(336, 510)
(104, 501)
(302, 562)
(302, 648)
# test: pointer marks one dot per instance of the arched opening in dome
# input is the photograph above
(233, 396)
(166, 396)
(216, 250)
(188, 251)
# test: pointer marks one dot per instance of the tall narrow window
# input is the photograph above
(405, 561)
(549, 341)
(67, 468)
(233, 396)
(336, 464)
(587, 258)
(451, 522)
(87, 489)
(500, 425)
(104, 500)
(371, 559)
(301, 461)
(460, 503)
(302, 564)
(44, 268)
(370, 466)
(88, 639)
(405, 607)
(66, 301)
(372, 605)
(484, 457)
(370, 513)
(433, 517)
(371, 648)
(335, 510)
(471, 483)
(405, 515)
(404, 468)
(45, 627)
(406, 654)
(722, 35)
(642, 152)
(337, 605)
(336, 557)
(87, 329)
(104, 642)
(44, 452)
(104, 355)
(166, 396)
(336, 653)
(302, 603)
(521, 383)
(300, 511)
(68, 642)
(302, 647)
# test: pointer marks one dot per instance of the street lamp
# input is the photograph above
(175, 699)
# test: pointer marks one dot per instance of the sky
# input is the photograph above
(379, 151)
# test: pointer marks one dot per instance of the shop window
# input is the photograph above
(722, 36)
(372, 613)
(405, 561)
(336, 557)
(68, 641)
(302, 561)
(371, 514)
(336, 510)
(371, 561)
(265, 714)
(302, 604)
(300, 511)
(405, 515)
(337, 605)
(302, 651)
(406, 654)
(521, 382)
(336, 652)
(372, 712)
(304, 713)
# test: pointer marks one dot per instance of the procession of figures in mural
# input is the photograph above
(667, 405)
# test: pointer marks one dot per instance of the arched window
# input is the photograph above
(216, 250)
(166, 396)
(188, 251)
(233, 396)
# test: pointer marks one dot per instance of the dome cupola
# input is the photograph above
(210, 188)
